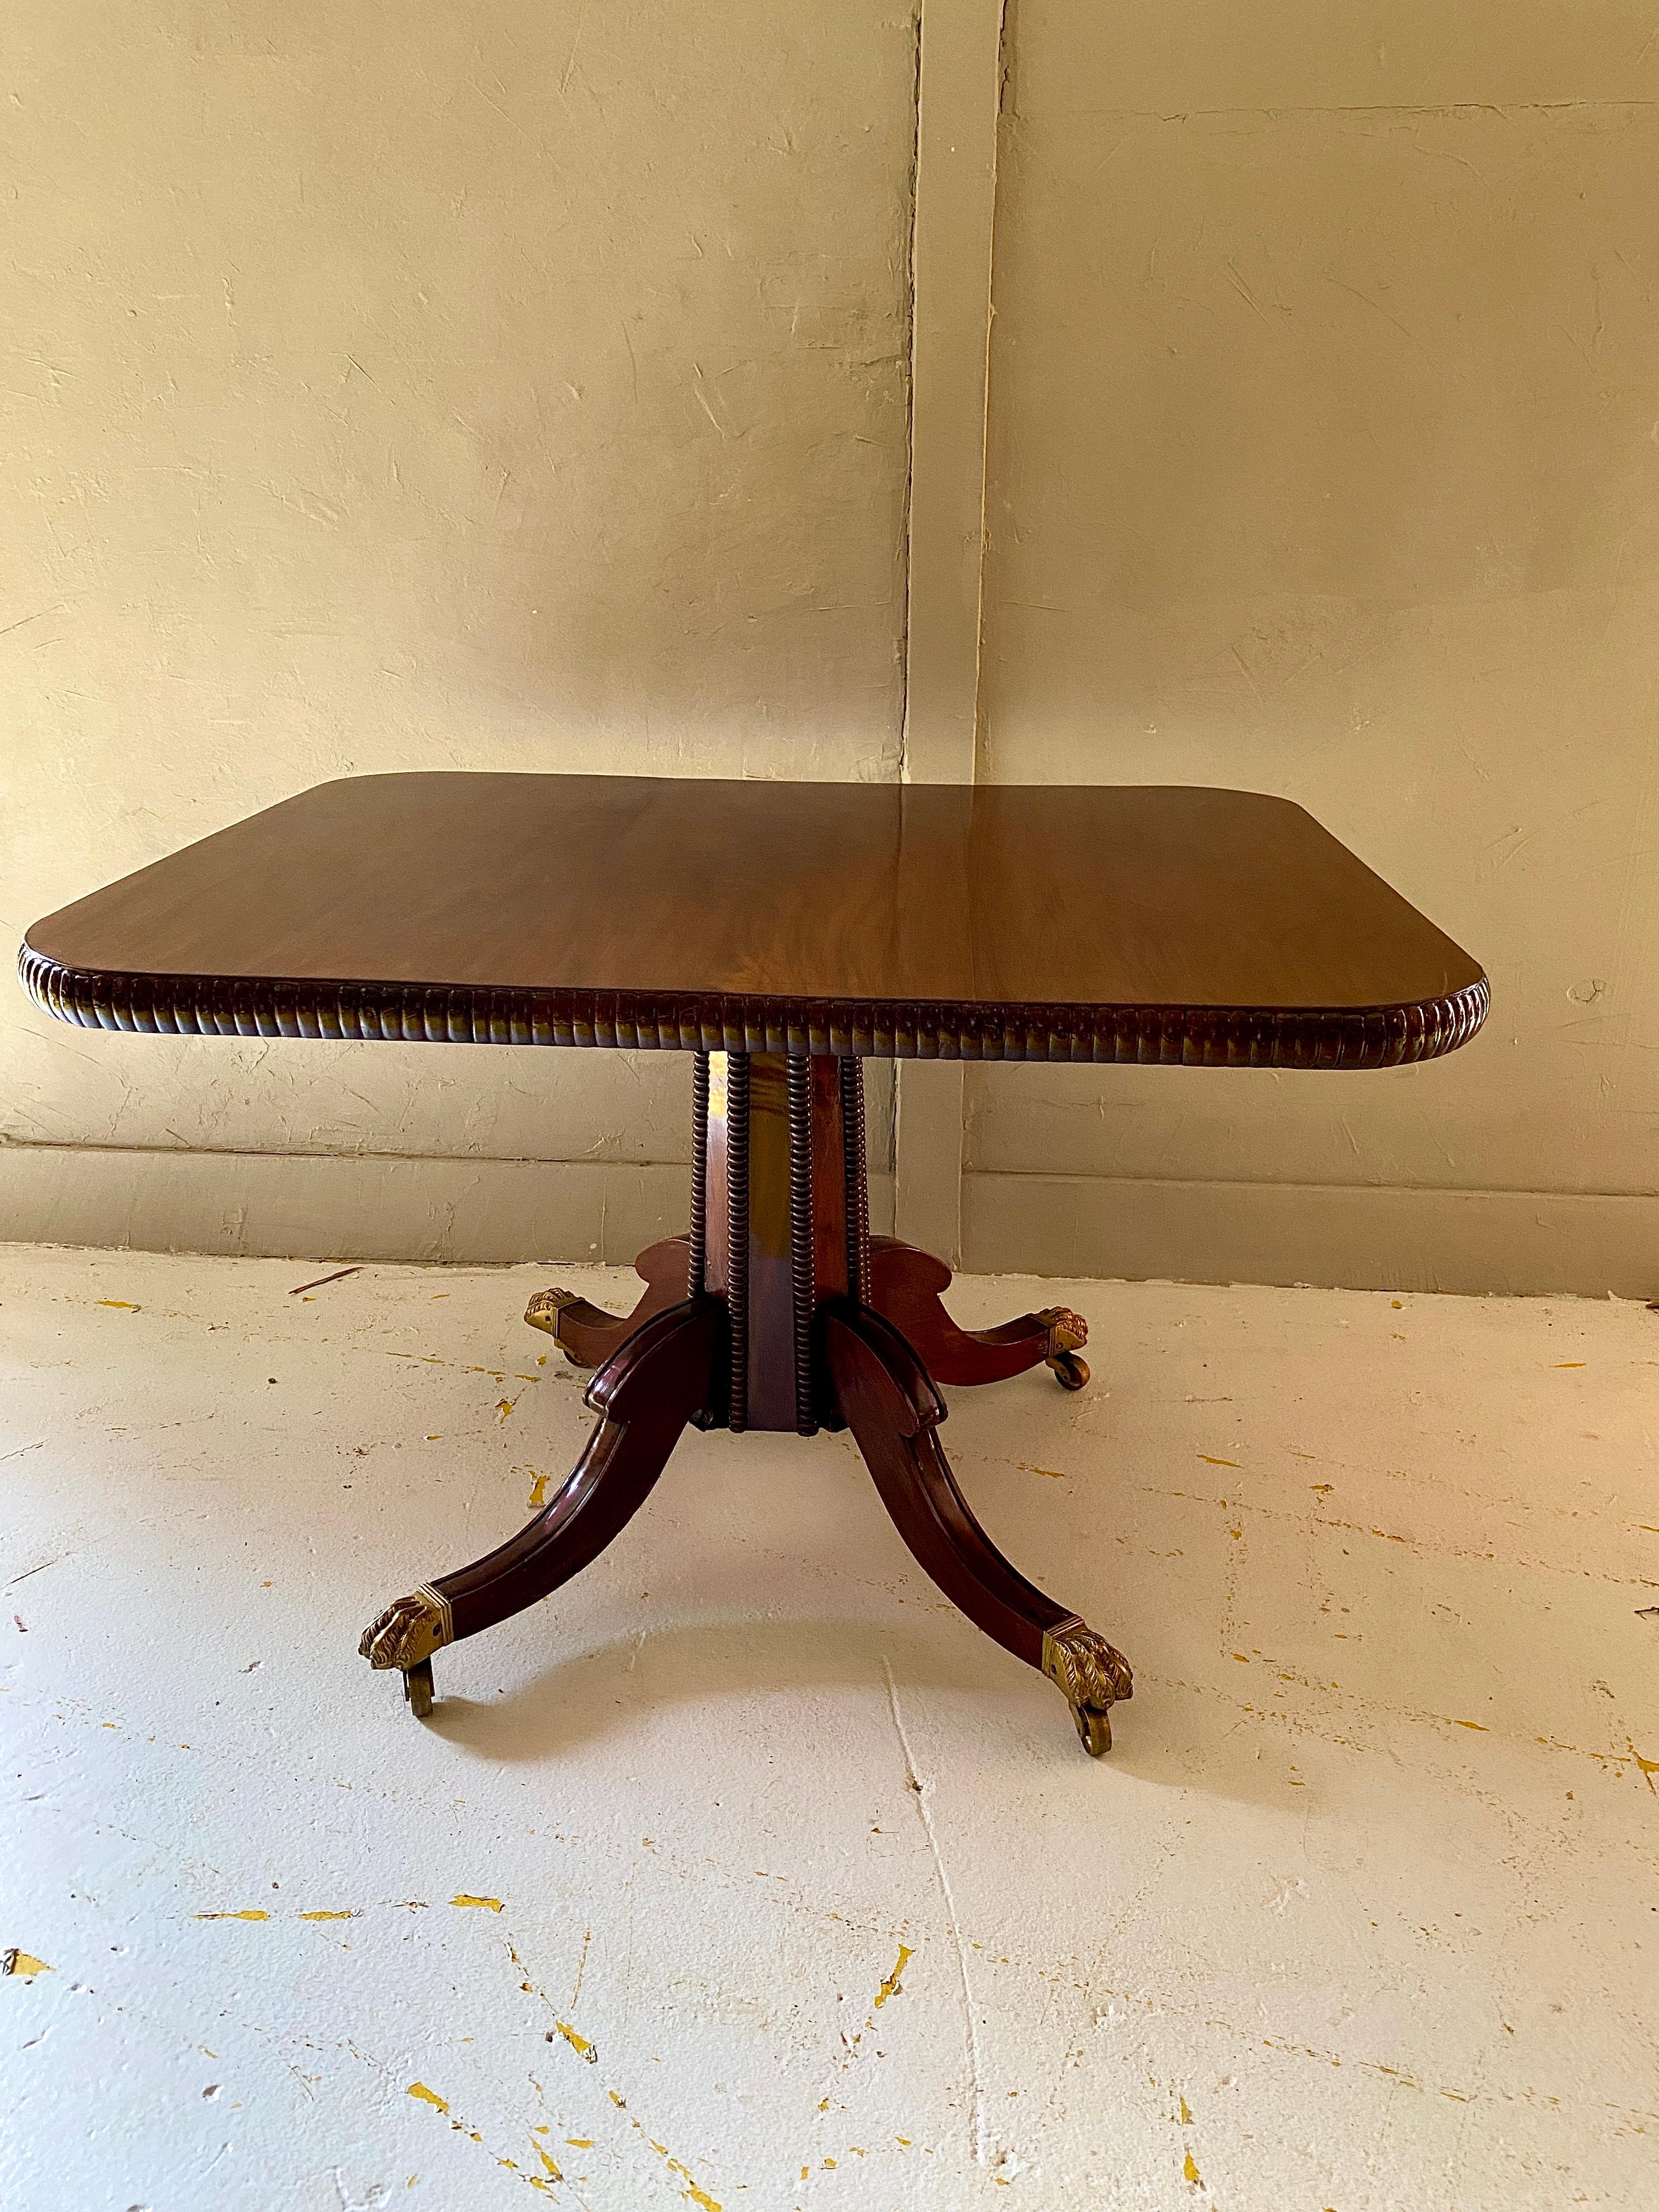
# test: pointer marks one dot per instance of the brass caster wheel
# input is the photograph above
(417, 1689)
(1094, 1728)
(1071, 1373)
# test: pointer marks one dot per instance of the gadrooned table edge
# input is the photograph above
(422, 1013)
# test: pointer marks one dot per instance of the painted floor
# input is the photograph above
(745, 1873)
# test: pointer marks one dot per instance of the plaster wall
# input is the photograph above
(519, 384)
(1324, 460)
(536, 387)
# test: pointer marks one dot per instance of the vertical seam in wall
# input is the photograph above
(909, 461)
(985, 418)
(956, 99)
(910, 386)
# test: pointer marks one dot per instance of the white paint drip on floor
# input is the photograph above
(918, 1788)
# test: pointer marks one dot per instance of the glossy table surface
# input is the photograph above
(1096, 922)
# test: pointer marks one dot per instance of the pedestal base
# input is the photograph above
(778, 1310)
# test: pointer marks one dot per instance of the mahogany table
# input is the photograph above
(780, 933)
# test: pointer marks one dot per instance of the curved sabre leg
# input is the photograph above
(665, 1376)
(893, 1410)
(906, 1286)
(587, 1335)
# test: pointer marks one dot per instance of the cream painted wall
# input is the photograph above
(1325, 461)
(529, 385)
(513, 385)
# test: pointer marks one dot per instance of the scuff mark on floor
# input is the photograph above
(582, 1968)
(55, 1561)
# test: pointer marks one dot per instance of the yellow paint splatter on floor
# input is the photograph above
(504, 1407)
(125, 1305)
(488, 1903)
(1186, 2114)
(892, 1987)
(328, 1916)
(1190, 2172)
(234, 1916)
(419, 2089)
(578, 2044)
(538, 1490)
(23, 1962)
(1209, 1460)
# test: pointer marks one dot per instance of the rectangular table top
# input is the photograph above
(1010, 922)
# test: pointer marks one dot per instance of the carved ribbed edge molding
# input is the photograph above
(418, 1013)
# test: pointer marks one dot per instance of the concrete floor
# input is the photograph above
(746, 1873)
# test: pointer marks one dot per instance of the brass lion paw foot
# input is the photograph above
(1091, 1675)
(1068, 1335)
(405, 1636)
(542, 1312)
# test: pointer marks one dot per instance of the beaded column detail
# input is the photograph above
(696, 1266)
(736, 1230)
(858, 1191)
(800, 1077)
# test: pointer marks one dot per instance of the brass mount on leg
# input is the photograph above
(405, 1636)
(1068, 1335)
(542, 1312)
(1091, 1675)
